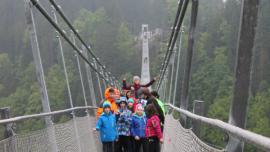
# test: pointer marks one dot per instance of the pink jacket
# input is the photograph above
(153, 127)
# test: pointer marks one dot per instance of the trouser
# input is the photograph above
(140, 143)
(132, 142)
(153, 144)
(107, 146)
(123, 144)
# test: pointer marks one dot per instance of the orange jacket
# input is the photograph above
(110, 99)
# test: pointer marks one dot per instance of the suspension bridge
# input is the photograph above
(75, 135)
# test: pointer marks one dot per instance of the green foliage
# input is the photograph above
(88, 23)
(124, 41)
(56, 85)
(7, 75)
(258, 115)
(219, 110)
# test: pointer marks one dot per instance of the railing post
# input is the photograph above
(98, 79)
(198, 109)
(92, 96)
(89, 79)
(164, 88)
(110, 78)
(9, 132)
(39, 72)
(72, 106)
(172, 71)
(187, 72)
(166, 91)
(178, 66)
(81, 78)
(103, 80)
(8, 127)
(107, 79)
(247, 31)
(62, 57)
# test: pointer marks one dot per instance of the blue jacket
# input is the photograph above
(124, 122)
(107, 126)
(138, 125)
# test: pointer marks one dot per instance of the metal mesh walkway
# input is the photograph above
(38, 141)
(177, 138)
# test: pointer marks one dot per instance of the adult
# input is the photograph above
(160, 103)
(136, 84)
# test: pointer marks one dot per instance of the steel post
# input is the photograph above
(89, 79)
(177, 66)
(239, 105)
(187, 73)
(98, 79)
(39, 71)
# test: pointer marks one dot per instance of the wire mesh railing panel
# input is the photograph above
(89, 140)
(39, 141)
(35, 141)
(177, 138)
(65, 137)
(6, 145)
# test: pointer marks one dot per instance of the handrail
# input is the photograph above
(20, 118)
(242, 134)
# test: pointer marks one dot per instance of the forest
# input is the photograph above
(112, 27)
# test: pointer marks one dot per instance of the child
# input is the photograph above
(110, 96)
(131, 98)
(153, 130)
(159, 111)
(131, 105)
(123, 126)
(138, 128)
(106, 125)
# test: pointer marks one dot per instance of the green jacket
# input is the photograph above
(161, 104)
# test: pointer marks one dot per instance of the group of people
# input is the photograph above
(131, 120)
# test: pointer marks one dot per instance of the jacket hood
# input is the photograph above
(107, 95)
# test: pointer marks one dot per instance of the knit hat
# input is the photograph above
(130, 100)
(139, 107)
(106, 104)
(136, 78)
(123, 99)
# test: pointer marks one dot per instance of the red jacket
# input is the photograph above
(153, 127)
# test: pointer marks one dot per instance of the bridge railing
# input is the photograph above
(41, 115)
(72, 135)
(257, 140)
